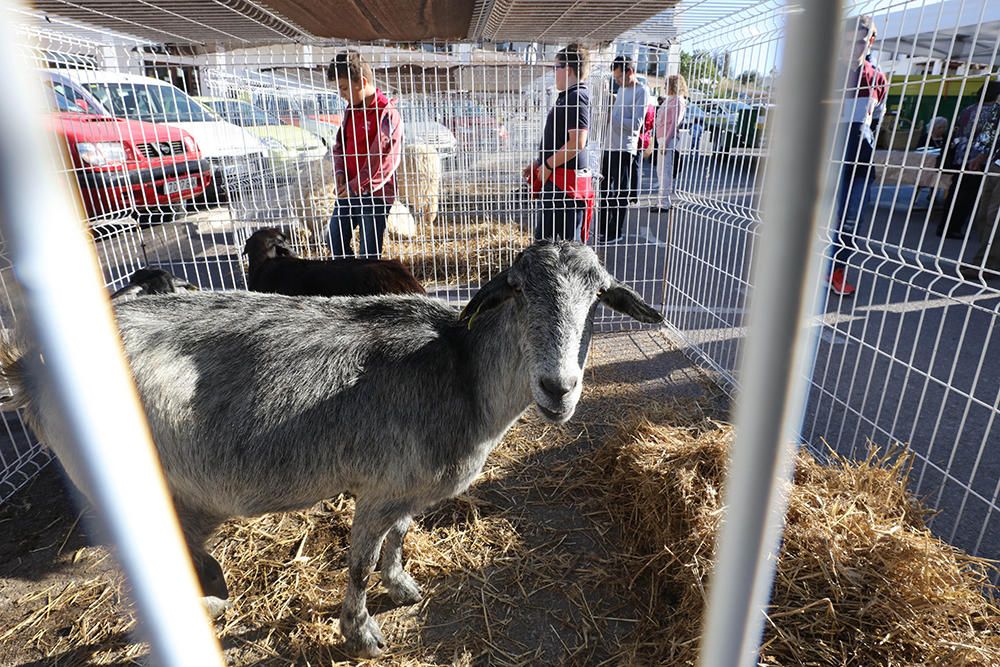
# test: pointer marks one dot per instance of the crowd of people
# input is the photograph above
(572, 193)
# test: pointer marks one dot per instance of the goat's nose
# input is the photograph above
(558, 387)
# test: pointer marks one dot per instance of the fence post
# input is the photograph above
(94, 407)
(773, 382)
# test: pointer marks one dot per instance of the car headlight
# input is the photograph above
(190, 145)
(272, 144)
(102, 154)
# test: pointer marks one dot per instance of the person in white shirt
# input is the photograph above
(628, 112)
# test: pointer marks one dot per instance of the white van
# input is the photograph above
(236, 155)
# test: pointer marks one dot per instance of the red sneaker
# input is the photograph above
(838, 283)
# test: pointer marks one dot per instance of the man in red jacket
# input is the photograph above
(366, 155)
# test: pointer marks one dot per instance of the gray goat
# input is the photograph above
(265, 403)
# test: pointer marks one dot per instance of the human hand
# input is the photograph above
(543, 173)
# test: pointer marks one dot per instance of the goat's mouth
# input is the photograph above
(558, 417)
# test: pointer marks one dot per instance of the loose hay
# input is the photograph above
(588, 543)
(288, 574)
(454, 247)
(860, 579)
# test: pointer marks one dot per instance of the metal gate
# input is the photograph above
(909, 358)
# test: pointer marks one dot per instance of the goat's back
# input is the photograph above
(293, 276)
(262, 402)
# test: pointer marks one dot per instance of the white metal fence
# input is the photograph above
(906, 359)
(473, 119)
(905, 352)
(910, 357)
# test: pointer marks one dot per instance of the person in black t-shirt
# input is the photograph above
(563, 146)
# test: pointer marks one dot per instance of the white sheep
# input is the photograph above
(418, 181)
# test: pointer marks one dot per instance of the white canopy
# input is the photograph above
(964, 30)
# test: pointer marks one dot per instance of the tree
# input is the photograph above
(748, 77)
(722, 62)
(699, 65)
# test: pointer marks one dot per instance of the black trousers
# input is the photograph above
(560, 216)
(964, 196)
(617, 168)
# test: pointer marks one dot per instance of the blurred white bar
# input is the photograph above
(67, 308)
(770, 407)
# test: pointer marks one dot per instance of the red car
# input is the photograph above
(124, 166)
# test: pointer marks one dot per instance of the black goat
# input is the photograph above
(273, 268)
(153, 281)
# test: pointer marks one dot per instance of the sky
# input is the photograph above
(755, 35)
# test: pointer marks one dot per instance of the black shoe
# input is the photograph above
(975, 275)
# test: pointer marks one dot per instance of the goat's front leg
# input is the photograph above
(397, 581)
(372, 521)
(197, 527)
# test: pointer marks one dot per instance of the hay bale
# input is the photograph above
(860, 579)
(418, 181)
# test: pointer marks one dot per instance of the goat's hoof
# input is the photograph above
(214, 607)
(364, 641)
(403, 589)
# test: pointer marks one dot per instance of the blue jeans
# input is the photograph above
(365, 212)
(852, 191)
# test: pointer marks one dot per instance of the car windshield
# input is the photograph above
(70, 99)
(149, 102)
(277, 106)
(412, 113)
(242, 113)
(61, 103)
(330, 104)
(469, 110)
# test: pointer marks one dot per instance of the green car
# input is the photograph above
(287, 144)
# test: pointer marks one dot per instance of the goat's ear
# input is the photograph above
(623, 299)
(489, 296)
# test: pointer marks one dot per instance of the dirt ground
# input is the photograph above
(522, 569)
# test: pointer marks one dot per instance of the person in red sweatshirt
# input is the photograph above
(366, 154)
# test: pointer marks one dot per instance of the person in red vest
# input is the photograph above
(366, 154)
(559, 175)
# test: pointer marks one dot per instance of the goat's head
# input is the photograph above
(555, 288)
(267, 243)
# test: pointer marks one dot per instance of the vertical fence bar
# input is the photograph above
(96, 410)
(773, 380)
